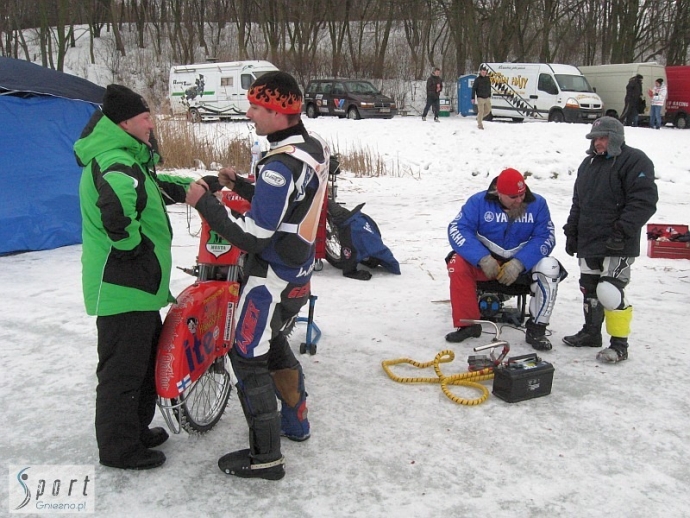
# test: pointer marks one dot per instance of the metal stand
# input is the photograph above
(310, 345)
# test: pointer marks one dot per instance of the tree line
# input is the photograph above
(385, 39)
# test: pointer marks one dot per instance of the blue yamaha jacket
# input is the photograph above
(482, 228)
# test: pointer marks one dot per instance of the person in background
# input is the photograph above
(633, 93)
(481, 95)
(613, 197)
(658, 96)
(434, 85)
(504, 233)
(126, 265)
(278, 234)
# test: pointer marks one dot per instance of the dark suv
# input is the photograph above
(351, 98)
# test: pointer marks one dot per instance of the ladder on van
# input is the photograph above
(510, 95)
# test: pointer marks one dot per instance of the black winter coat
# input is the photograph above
(612, 195)
(481, 87)
(633, 91)
(434, 85)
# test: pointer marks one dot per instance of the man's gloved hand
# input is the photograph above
(509, 272)
(570, 245)
(212, 182)
(615, 244)
(489, 266)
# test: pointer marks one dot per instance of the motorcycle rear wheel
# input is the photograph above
(333, 248)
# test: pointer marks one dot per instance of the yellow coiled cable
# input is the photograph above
(466, 379)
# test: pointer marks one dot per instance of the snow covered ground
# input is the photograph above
(610, 440)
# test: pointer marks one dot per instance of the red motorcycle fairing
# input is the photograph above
(197, 330)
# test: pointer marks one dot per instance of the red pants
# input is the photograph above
(463, 289)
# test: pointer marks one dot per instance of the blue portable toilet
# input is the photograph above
(465, 106)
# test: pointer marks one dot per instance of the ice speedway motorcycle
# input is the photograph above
(194, 377)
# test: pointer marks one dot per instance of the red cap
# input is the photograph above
(511, 182)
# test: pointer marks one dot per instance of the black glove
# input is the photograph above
(570, 245)
(615, 244)
(360, 275)
(212, 182)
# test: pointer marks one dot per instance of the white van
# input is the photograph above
(610, 81)
(214, 90)
(556, 93)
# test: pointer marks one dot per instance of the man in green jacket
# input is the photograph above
(126, 265)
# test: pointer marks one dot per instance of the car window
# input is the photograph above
(572, 83)
(247, 80)
(327, 87)
(547, 84)
(361, 87)
(338, 89)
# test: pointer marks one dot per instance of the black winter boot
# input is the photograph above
(535, 335)
(590, 334)
(463, 333)
(241, 464)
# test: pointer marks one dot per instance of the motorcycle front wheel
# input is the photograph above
(202, 404)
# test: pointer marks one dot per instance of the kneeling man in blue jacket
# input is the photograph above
(505, 234)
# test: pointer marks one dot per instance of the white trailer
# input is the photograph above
(214, 91)
(546, 91)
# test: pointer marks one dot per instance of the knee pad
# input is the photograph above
(254, 386)
(618, 322)
(289, 385)
(257, 397)
(610, 293)
(544, 288)
(548, 266)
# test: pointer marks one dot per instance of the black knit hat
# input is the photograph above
(277, 91)
(120, 103)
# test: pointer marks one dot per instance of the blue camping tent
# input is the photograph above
(42, 113)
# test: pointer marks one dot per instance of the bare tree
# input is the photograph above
(305, 23)
(337, 24)
(679, 34)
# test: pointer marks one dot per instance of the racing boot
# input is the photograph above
(618, 326)
(289, 387)
(616, 352)
(255, 391)
(590, 334)
(535, 335)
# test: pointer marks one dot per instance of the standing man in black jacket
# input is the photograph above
(481, 95)
(633, 93)
(614, 196)
(434, 85)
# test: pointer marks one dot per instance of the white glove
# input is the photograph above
(489, 266)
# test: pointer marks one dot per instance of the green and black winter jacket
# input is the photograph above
(127, 236)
